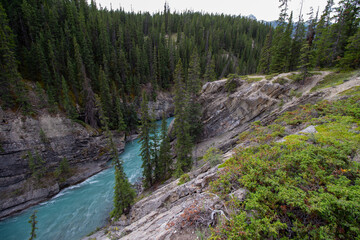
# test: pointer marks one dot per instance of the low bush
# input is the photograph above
(307, 187)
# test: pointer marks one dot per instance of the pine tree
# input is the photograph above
(124, 194)
(165, 150)
(265, 56)
(121, 125)
(69, 108)
(154, 143)
(33, 223)
(282, 38)
(181, 126)
(297, 41)
(10, 78)
(210, 74)
(145, 149)
(322, 41)
(346, 26)
(193, 88)
(351, 58)
(105, 96)
(305, 60)
(90, 104)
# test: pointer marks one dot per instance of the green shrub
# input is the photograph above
(63, 170)
(36, 165)
(231, 85)
(307, 187)
(271, 76)
(253, 79)
(43, 137)
(213, 156)
(184, 178)
(281, 81)
(333, 79)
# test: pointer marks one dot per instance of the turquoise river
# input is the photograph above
(78, 210)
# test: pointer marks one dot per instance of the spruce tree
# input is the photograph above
(210, 74)
(165, 157)
(193, 87)
(322, 41)
(33, 223)
(265, 56)
(69, 108)
(121, 125)
(105, 96)
(181, 125)
(124, 194)
(145, 149)
(154, 143)
(351, 58)
(296, 43)
(9, 75)
(282, 40)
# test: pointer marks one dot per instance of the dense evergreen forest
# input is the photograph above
(74, 50)
(329, 40)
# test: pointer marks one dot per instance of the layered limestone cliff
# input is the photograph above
(47, 139)
(226, 114)
(50, 138)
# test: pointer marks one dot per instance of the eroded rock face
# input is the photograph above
(225, 115)
(52, 138)
(161, 215)
(164, 104)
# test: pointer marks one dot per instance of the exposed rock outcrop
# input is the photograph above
(164, 104)
(225, 115)
(162, 215)
(51, 138)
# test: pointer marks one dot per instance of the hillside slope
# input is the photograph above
(185, 211)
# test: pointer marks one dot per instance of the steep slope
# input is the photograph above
(33, 149)
(45, 141)
(183, 211)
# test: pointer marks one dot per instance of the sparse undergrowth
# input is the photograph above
(307, 187)
(333, 79)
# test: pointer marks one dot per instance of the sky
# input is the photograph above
(262, 9)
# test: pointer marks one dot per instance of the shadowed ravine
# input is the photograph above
(77, 210)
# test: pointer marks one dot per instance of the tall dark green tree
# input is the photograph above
(210, 74)
(124, 194)
(265, 56)
(121, 125)
(69, 108)
(33, 223)
(193, 87)
(297, 42)
(165, 158)
(157, 172)
(105, 96)
(351, 58)
(181, 126)
(322, 42)
(145, 140)
(282, 37)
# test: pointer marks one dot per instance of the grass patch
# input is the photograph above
(307, 187)
(333, 79)
(281, 81)
(271, 76)
(184, 178)
(254, 79)
(352, 91)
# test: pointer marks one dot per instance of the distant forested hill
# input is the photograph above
(74, 50)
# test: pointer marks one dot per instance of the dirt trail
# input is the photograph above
(332, 92)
